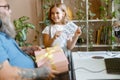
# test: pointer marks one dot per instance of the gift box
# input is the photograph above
(56, 58)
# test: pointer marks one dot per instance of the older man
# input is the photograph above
(14, 63)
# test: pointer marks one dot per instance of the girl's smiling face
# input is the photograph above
(57, 15)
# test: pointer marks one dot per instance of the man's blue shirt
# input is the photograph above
(10, 51)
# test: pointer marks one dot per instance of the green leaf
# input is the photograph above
(17, 24)
(114, 14)
(29, 25)
(24, 35)
(117, 1)
(23, 18)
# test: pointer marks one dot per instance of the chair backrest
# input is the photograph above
(0, 23)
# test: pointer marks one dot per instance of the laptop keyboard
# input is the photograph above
(112, 65)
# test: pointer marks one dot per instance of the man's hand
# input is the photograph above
(31, 49)
(42, 72)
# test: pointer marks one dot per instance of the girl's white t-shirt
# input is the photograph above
(51, 30)
(67, 34)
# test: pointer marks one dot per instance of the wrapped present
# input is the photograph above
(56, 57)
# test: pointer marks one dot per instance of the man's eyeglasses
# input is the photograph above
(5, 6)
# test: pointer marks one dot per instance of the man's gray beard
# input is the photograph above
(8, 28)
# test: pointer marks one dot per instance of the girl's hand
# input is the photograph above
(57, 34)
(78, 32)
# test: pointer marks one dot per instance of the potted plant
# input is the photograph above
(22, 26)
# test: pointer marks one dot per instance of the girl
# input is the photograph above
(52, 33)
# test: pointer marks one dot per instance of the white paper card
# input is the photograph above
(70, 28)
